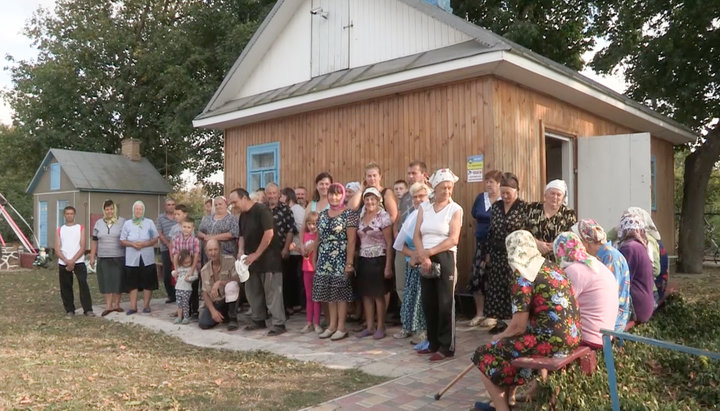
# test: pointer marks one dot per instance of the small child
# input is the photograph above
(309, 245)
(184, 276)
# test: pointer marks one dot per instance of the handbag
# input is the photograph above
(433, 272)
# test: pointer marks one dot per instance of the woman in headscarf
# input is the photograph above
(632, 242)
(437, 233)
(482, 213)
(110, 263)
(412, 316)
(139, 237)
(332, 283)
(545, 321)
(548, 218)
(594, 285)
(595, 241)
(508, 215)
(656, 251)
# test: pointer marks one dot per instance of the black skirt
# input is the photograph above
(142, 277)
(371, 277)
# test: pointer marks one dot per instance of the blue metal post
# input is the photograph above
(610, 365)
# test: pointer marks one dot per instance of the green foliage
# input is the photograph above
(108, 70)
(559, 30)
(649, 377)
(194, 198)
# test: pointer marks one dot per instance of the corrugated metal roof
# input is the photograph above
(105, 172)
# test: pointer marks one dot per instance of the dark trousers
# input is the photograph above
(291, 281)
(228, 310)
(66, 288)
(167, 274)
(438, 303)
(195, 297)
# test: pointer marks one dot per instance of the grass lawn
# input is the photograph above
(83, 363)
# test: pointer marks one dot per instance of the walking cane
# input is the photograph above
(456, 379)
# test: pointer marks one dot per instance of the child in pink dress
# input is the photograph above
(309, 245)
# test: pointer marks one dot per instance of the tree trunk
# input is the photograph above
(698, 167)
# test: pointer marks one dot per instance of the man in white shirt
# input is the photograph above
(70, 250)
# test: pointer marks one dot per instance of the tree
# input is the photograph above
(111, 69)
(559, 30)
(670, 53)
(15, 174)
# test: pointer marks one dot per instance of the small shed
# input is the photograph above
(329, 85)
(85, 180)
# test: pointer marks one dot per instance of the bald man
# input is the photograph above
(220, 289)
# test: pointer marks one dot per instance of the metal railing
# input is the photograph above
(610, 361)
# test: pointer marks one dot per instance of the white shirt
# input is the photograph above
(436, 226)
(70, 237)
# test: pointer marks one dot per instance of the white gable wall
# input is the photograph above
(287, 61)
(355, 33)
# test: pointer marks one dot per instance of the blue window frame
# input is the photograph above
(55, 176)
(653, 182)
(43, 223)
(61, 204)
(263, 165)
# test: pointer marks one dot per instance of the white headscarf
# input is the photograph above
(523, 254)
(650, 228)
(443, 174)
(559, 185)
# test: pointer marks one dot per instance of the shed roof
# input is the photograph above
(113, 173)
(485, 54)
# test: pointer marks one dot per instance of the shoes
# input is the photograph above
(118, 310)
(178, 320)
(185, 321)
(194, 316)
(338, 335)
(425, 351)
(498, 328)
(70, 314)
(488, 322)
(277, 330)
(106, 312)
(130, 312)
(438, 356)
(89, 314)
(477, 320)
(379, 334)
(169, 301)
(146, 310)
(418, 337)
(364, 333)
(484, 406)
(255, 325)
(402, 334)
(307, 328)
(318, 329)
(173, 314)
(232, 325)
(326, 334)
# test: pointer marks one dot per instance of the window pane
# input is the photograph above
(55, 176)
(263, 160)
(254, 182)
(269, 177)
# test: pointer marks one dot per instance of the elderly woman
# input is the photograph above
(595, 241)
(139, 236)
(594, 285)
(332, 283)
(109, 252)
(481, 212)
(632, 242)
(412, 316)
(550, 217)
(374, 262)
(508, 215)
(221, 226)
(545, 321)
(437, 233)
(656, 251)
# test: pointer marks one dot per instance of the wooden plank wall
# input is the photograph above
(440, 125)
(664, 217)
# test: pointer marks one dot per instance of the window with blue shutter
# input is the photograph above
(263, 165)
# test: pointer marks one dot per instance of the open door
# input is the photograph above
(614, 173)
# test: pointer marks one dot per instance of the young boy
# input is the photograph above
(186, 240)
(70, 250)
(400, 188)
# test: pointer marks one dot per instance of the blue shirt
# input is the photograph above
(482, 215)
(615, 261)
(143, 232)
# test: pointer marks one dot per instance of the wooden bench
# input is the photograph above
(586, 356)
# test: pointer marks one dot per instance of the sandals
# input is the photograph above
(338, 335)
(326, 334)
(488, 322)
(477, 320)
(364, 333)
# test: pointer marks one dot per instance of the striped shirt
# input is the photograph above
(164, 225)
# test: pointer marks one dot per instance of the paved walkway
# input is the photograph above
(415, 380)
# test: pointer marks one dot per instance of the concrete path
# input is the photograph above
(415, 380)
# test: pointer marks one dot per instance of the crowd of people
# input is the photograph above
(542, 281)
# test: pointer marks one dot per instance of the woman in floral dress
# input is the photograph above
(545, 322)
(332, 283)
(550, 217)
(508, 215)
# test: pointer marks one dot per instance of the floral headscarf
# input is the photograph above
(589, 230)
(441, 175)
(631, 226)
(523, 255)
(568, 249)
(137, 221)
(650, 228)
